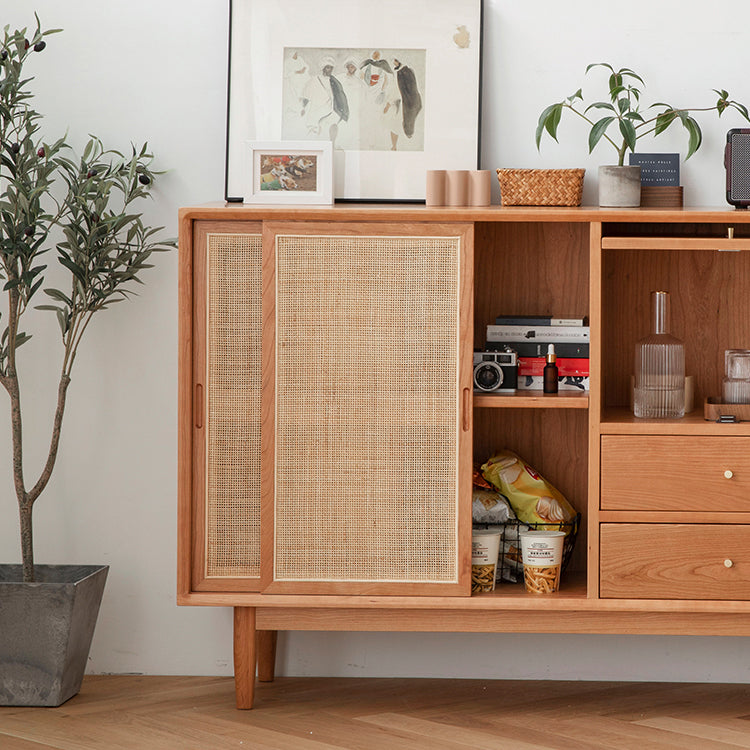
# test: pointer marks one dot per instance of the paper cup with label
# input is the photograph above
(485, 549)
(542, 559)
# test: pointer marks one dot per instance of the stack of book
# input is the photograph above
(531, 335)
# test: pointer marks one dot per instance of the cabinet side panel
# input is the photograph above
(367, 404)
(233, 363)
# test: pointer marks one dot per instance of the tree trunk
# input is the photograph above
(27, 545)
(26, 499)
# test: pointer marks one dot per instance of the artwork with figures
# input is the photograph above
(359, 99)
(288, 172)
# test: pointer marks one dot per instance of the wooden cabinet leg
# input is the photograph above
(244, 656)
(267, 654)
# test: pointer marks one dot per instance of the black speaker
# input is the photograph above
(737, 164)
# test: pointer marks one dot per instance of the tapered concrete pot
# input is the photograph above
(46, 629)
(620, 187)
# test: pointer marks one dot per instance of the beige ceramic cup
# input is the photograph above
(435, 187)
(457, 187)
(480, 187)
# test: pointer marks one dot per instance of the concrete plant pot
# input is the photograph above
(46, 628)
(620, 187)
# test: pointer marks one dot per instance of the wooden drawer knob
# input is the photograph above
(728, 474)
(728, 563)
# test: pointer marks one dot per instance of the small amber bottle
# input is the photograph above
(550, 371)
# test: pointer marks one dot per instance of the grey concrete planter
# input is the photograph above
(620, 186)
(46, 629)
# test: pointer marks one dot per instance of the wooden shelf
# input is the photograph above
(532, 400)
(572, 586)
(620, 421)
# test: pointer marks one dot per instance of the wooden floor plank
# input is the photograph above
(197, 713)
(14, 743)
(703, 732)
(461, 737)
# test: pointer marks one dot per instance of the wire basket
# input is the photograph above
(540, 187)
(509, 563)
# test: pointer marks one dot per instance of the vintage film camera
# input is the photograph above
(496, 372)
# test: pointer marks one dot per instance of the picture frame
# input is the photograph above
(288, 172)
(395, 96)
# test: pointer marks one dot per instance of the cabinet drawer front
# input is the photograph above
(675, 473)
(674, 561)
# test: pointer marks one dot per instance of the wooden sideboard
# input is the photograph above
(327, 424)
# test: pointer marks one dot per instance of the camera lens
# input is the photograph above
(488, 376)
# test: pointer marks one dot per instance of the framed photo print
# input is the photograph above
(288, 172)
(392, 86)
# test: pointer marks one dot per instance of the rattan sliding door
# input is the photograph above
(367, 408)
(227, 327)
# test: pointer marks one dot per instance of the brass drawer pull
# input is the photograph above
(728, 563)
(728, 474)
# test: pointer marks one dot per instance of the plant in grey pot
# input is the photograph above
(623, 123)
(80, 209)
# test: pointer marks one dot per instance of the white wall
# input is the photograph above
(156, 71)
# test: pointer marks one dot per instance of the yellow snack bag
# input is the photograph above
(532, 497)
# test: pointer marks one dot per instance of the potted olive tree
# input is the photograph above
(81, 210)
(623, 122)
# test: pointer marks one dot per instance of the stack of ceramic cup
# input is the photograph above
(458, 187)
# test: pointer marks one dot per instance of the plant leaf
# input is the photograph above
(695, 135)
(627, 129)
(664, 120)
(598, 130)
(549, 121)
(600, 105)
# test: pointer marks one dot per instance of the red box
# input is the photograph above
(566, 366)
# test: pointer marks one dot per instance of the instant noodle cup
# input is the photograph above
(542, 552)
(485, 549)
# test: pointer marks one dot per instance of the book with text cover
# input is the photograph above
(551, 334)
(539, 320)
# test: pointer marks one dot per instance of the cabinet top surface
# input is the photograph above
(419, 212)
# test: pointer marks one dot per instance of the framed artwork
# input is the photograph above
(392, 86)
(288, 172)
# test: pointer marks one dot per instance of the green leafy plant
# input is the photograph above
(83, 208)
(624, 115)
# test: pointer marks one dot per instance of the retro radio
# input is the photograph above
(737, 164)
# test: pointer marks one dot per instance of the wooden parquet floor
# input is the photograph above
(197, 713)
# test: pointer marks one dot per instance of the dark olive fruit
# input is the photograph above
(4, 54)
(144, 179)
(39, 46)
(29, 231)
(91, 173)
(15, 147)
(41, 152)
(26, 44)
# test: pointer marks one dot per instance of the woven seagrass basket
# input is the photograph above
(540, 187)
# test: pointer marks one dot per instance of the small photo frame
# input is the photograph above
(289, 172)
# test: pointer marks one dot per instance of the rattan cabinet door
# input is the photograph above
(367, 410)
(227, 333)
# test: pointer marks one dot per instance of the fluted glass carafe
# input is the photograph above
(659, 367)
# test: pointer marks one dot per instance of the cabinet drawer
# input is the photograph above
(675, 473)
(674, 561)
